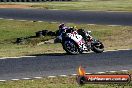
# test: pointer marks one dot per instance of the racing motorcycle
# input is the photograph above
(73, 42)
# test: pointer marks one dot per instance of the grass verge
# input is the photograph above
(113, 37)
(60, 82)
(94, 5)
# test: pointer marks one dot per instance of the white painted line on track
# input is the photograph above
(38, 77)
(9, 57)
(116, 50)
(112, 71)
(91, 24)
(73, 74)
(58, 76)
(27, 56)
(3, 58)
(1, 18)
(17, 57)
(40, 21)
(15, 79)
(10, 19)
(110, 50)
(106, 71)
(114, 25)
(22, 20)
(51, 76)
(124, 70)
(26, 78)
(101, 72)
(13, 57)
(63, 75)
(3, 80)
(88, 73)
(124, 49)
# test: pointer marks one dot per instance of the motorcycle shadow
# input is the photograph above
(57, 54)
(51, 54)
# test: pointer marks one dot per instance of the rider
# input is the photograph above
(64, 28)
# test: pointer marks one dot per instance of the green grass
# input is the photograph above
(90, 5)
(60, 82)
(116, 37)
(9, 50)
(13, 29)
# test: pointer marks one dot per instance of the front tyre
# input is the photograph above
(98, 47)
(70, 46)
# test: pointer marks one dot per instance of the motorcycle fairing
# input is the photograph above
(78, 39)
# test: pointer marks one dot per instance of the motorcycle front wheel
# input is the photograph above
(98, 47)
(70, 46)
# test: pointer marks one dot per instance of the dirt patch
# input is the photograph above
(15, 6)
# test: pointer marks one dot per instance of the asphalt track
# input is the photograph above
(62, 64)
(88, 17)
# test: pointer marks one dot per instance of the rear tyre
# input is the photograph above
(70, 46)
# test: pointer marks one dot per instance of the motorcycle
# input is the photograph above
(73, 42)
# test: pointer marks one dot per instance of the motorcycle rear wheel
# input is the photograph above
(70, 46)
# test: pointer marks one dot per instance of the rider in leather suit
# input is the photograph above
(64, 28)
